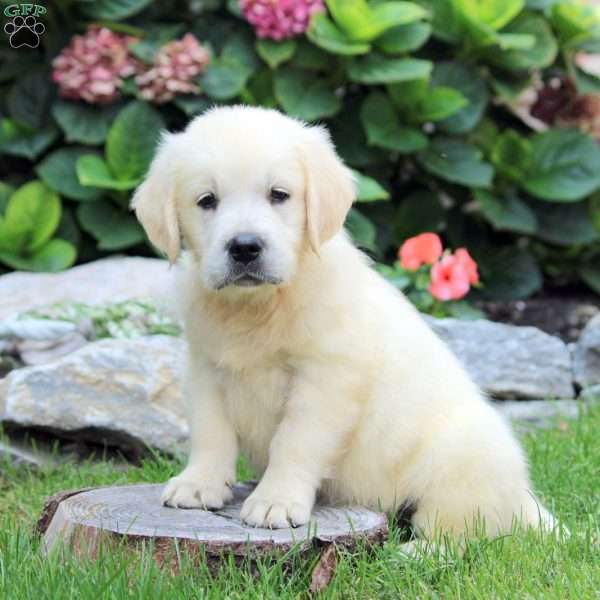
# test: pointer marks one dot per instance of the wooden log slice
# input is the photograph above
(133, 514)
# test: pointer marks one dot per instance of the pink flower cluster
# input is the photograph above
(175, 66)
(452, 275)
(93, 65)
(280, 19)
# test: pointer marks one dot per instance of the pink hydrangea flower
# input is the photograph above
(449, 279)
(93, 65)
(422, 249)
(280, 19)
(174, 69)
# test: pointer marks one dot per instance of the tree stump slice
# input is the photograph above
(81, 521)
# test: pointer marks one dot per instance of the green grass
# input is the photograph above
(565, 463)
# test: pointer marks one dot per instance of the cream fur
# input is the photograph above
(329, 380)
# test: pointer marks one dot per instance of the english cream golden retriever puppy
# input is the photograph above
(300, 355)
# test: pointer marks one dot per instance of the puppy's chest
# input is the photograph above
(255, 402)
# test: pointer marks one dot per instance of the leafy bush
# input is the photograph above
(470, 118)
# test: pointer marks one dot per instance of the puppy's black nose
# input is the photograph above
(245, 247)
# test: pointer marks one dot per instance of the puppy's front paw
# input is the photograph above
(185, 491)
(274, 512)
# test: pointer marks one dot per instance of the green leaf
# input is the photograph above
(404, 38)
(362, 231)
(54, 256)
(154, 38)
(469, 82)
(325, 34)
(192, 105)
(58, 171)
(542, 54)
(226, 76)
(573, 21)
(375, 68)
(506, 212)
(447, 23)
(421, 103)
(350, 140)
(594, 210)
(439, 103)
(369, 189)
(511, 154)
(68, 228)
(223, 81)
(457, 162)
(383, 128)
(131, 141)
(302, 95)
(310, 58)
(463, 310)
(365, 22)
(509, 273)
(17, 140)
(30, 98)
(93, 171)
(514, 41)
(419, 212)
(239, 49)
(564, 166)
(275, 53)
(494, 14)
(35, 208)
(591, 276)
(565, 224)
(82, 122)
(112, 227)
(6, 192)
(112, 10)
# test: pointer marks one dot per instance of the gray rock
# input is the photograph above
(508, 361)
(591, 395)
(34, 352)
(586, 355)
(20, 456)
(98, 282)
(124, 393)
(540, 413)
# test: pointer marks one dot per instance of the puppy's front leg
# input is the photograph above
(321, 411)
(206, 481)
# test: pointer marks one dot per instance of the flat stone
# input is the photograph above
(508, 361)
(586, 355)
(20, 456)
(539, 412)
(106, 280)
(590, 395)
(120, 392)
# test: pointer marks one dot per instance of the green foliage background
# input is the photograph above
(416, 95)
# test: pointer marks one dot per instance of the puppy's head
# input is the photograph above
(247, 190)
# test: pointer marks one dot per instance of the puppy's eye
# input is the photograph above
(207, 201)
(278, 195)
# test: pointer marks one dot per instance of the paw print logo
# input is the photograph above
(24, 31)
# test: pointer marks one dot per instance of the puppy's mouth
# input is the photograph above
(248, 279)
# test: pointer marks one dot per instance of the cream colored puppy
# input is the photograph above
(300, 355)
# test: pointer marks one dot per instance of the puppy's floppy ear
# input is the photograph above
(154, 199)
(330, 187)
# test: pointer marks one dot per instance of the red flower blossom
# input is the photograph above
(449, 279)
(463, 256)
(422, 249)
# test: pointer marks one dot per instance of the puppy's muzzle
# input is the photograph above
(245, 248)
